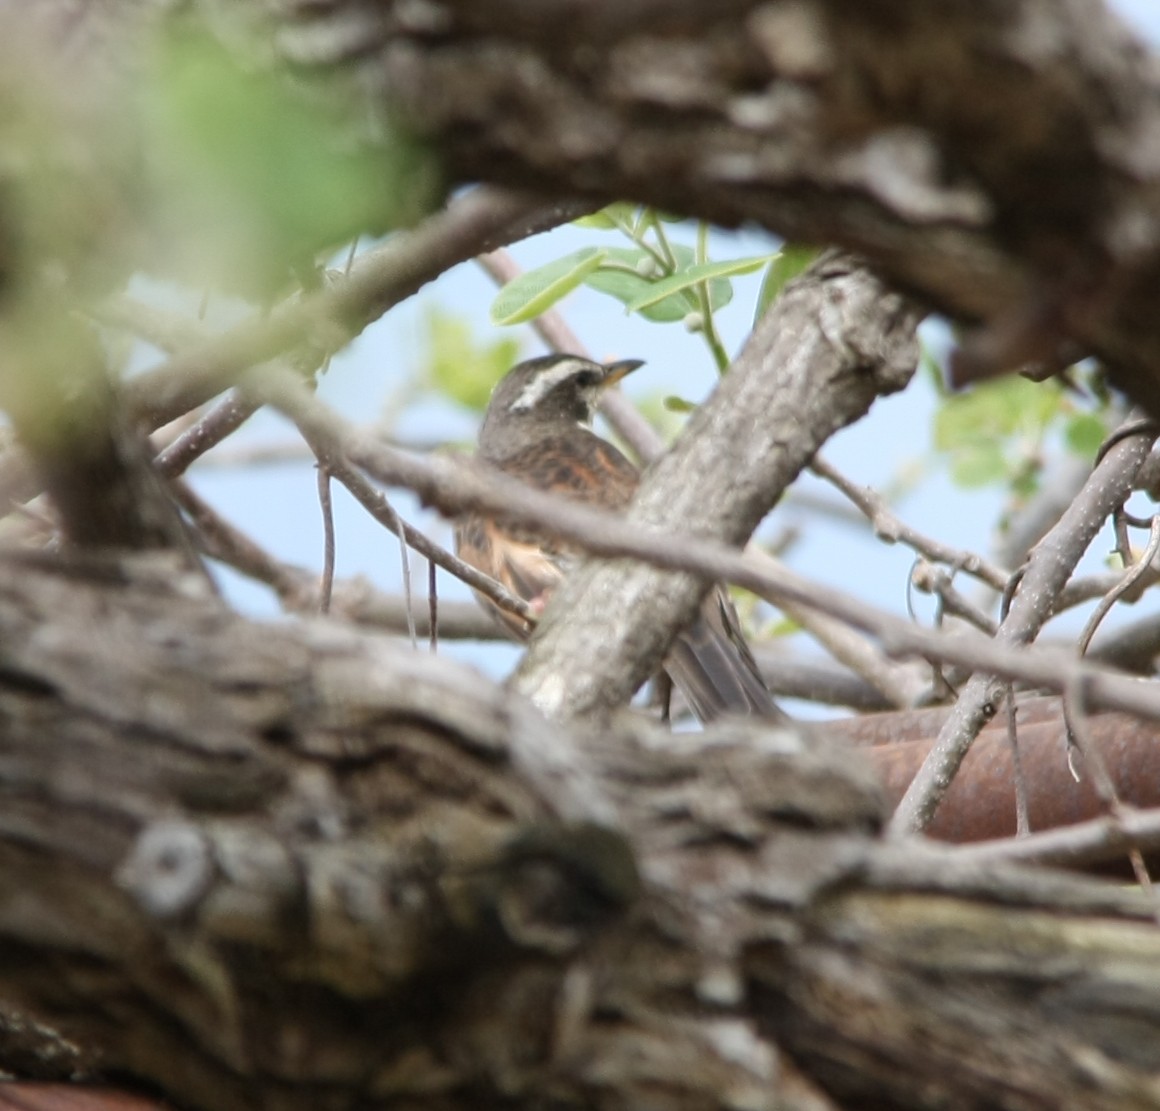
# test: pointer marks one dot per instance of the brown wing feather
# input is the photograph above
(583, 467)
(587, 469)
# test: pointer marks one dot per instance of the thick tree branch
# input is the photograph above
(871, 126)
(323, 869)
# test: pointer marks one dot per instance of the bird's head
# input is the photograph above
(553, 391)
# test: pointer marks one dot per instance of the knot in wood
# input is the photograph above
(168, 870)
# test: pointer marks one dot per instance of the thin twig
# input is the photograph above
(432, 605)
(457, 485)
(400, 531)
(892, 529)
(225, 418)
(1082, 590)
(1022, 810)
(1075, 717)
(1128, 579)
(326, 582)
(1040, 582)
(932, 579)
(1080, 845)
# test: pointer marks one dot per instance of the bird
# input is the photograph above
(538, 428)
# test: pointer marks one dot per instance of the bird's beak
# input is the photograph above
(614, 372)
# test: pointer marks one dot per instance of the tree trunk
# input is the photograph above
(292, 866)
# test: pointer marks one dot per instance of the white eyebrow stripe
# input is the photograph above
(543, 384)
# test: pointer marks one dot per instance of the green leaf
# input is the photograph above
(786, 265)
(609, 218)
(624, 283)
(980, 465)
(785, 627)
(538, 290)
(622, 280)
(692, 276)
(996, 410)
(594, 221)
(932, 370)
(1084, 433)
(676, 404)
(459, 366)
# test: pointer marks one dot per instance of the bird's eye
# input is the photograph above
(587, 378)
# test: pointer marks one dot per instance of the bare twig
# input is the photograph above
(817, 680)
(457, 485)
(432, 605)
(225, 418)
(405, 570)
(1080, 845)
(1022, 810)
(1075, 715)
(326, 581)
(1128, 579)
(889, 527)
(931, 579)
(1046, 572)
(291, 450)
(1084, 589)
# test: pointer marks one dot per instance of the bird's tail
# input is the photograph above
(714, 669)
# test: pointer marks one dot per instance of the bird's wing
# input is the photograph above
(521, 564)
(582, 468)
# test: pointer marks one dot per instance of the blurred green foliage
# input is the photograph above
(461, 367)
(998, 432)
(252, 180)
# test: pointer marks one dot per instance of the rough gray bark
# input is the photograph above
(887, 128)
(317, 870)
